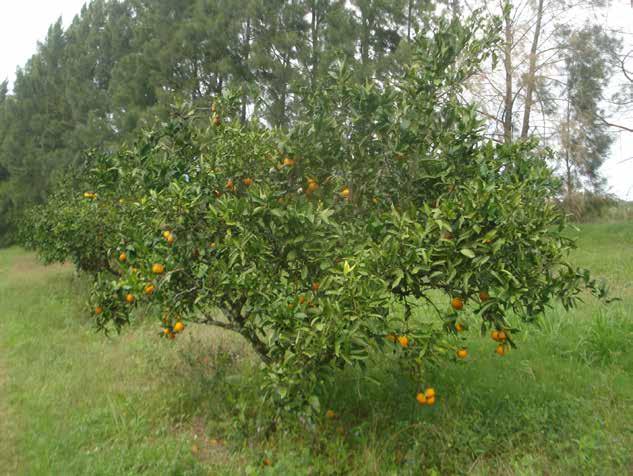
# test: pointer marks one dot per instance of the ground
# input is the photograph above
(76, 402)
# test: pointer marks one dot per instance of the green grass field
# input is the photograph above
(73, 402)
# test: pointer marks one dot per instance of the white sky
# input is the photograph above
(25, 22)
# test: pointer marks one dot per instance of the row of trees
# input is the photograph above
(121, 64)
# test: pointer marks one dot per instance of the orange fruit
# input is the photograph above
(302, 299)
(501, 350)
(212, 245)
(98, 310)
(129, 298)
(313, 186)
(288, 162)
(421, 398)
(459, 327)
(179, 327)
(248, 181)
(149, 289)
(404, 341)
(430, 400)
(217, 120)
(122, 257)
(494, 335)
(158, 268)
(229, 184)
(166, 234)
(484, 296)
(457, 303)
(267, 462)
(462, 353)
(170, 240)
(166, 331)
(429, 393)
(330, 414)
(315, 286)
(502, 336)
(345, 193)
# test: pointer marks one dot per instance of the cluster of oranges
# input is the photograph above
(427, 397)
(171, 332)
(501, 337)
(169, 237)
(312, 187)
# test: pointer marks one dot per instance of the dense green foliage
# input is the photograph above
(121, 64)
(319, 244)
(76, 402)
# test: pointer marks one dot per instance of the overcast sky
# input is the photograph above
(25, 22)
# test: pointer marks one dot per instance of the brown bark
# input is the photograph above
(508, 99)
(531, 76)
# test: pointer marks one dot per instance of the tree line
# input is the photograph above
(122, 64)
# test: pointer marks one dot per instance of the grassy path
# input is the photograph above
(73, 402)
(8, 456)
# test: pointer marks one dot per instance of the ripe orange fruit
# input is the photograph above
(130, 298)
(313, 186)
(229, 184)
(484, 296)
(502, 336)
(166, 234)
(217, 120)
(248, 181)
(501, 350)
(457, 303)
(122, 257)
(98, 310)
(315, 286)
(459, 327)
(179, 327)
(149, 289)
(267, 462)
(288, 162)
(421, 398)
(430, 400)
(166, 331)
(158, 268)
(330, 414)
(429, 393)
(404, 341)
(170, 240)
(495, 335)
(462, 353)
(345, 193)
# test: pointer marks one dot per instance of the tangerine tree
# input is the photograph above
(325, 244)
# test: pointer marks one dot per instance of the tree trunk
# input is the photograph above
(508, 100)
(409, 20)
(531, 76)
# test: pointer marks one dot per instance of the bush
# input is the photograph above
(321, 245)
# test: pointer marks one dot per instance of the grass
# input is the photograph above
(76, 402)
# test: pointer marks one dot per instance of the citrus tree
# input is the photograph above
(326, 244)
